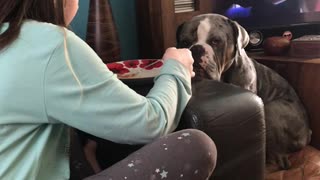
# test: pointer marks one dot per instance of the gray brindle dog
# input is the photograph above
(217, 44)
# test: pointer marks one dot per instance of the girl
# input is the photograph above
(51, 80)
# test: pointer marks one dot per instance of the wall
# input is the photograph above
(79, 24)
(124, 12)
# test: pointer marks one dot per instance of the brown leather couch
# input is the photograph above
(231, 116)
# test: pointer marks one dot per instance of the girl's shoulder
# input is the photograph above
(42, 32)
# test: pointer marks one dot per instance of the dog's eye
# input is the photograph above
(184, 44)
(214, 41)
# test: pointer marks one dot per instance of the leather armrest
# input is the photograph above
(234, 119)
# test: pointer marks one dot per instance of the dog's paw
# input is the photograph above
(283, 162)
(271, 168)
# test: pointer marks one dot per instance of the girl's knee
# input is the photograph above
(202, 145)
(202, 139)
(206, 144)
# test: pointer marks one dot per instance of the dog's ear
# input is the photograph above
(242, 71)
(241, 39)
(178, 32)
(240, 34)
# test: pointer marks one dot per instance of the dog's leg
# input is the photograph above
(283, 162)
(287, 131)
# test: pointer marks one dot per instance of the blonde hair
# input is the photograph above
(69, 64)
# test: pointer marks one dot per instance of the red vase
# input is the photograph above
(102, 34)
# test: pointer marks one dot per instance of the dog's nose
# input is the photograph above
(197, 52)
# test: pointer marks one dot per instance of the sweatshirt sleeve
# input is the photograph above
(104, 106)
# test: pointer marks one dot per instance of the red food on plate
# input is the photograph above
(117, 68)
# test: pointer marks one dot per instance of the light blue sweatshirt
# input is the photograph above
(40, 99)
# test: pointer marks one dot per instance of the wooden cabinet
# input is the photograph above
(158, 21)
(304, 75)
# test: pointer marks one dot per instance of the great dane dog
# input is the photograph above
(217, 45)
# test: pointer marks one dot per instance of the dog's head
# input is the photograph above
(215, 42)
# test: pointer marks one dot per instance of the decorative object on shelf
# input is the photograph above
(102, 34)
(276, 45)
(288, 35)
(307, 46)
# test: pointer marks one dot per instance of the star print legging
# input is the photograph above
(187, 155)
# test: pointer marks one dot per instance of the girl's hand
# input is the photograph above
(184, 56)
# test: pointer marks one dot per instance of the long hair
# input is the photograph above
(16, 11)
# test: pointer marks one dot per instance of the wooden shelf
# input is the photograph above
(262, 56)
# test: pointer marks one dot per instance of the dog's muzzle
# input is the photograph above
(197, 52)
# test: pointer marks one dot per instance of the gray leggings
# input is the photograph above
(187, 155)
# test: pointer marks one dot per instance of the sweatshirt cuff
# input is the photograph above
(175, 68)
